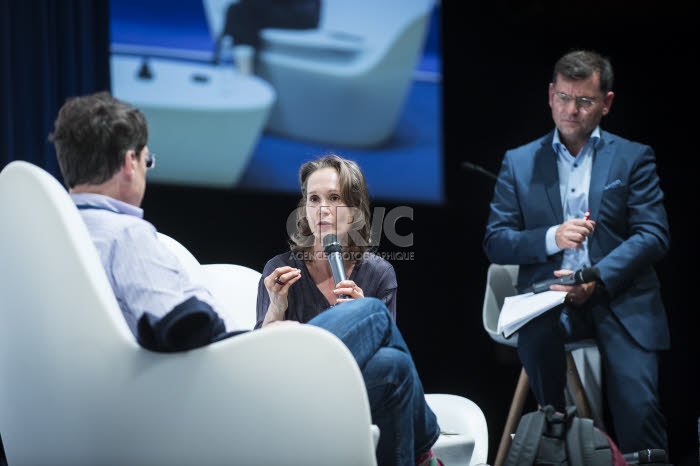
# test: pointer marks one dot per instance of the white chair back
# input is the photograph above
(464, 437)
(235, 287)
(501, 282)
(374, 21)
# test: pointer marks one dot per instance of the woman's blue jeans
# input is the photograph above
(408, 428)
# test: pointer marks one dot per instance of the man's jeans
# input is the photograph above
(408, 427)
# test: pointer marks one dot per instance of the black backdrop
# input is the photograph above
(498, 61)
(497, 64)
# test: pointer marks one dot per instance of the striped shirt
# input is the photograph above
(145, 275)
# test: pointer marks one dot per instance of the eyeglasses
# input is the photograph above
(581, 102)
(151, 160)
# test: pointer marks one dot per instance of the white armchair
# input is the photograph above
(77, 389)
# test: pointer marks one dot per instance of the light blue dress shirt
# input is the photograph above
(574, 182)
(145, 276)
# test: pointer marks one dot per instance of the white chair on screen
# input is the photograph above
(77, 389)
(583, 359)
(346, 82)
(194, 108)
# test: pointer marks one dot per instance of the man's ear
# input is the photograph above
(550, 93)
(607, 102)
(130, 161)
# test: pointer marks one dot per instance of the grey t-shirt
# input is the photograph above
(374, 274)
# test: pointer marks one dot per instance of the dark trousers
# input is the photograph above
(245, 18)
(629, 372)
(3, 459)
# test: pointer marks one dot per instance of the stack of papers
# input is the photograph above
(520, 309)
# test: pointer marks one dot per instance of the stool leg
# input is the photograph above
(516, 409)
(577, 387)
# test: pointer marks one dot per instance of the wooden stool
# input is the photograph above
(522, 390)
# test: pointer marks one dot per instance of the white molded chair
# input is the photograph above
(346, 82)
(583, 359)
(464, 438)
(235, 287)
(77, 389)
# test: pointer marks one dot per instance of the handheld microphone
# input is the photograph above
(333, 250)
(583, 275)
(648, 456)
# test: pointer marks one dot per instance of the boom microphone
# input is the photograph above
(333, 250)
(479, 169)
(583, 275)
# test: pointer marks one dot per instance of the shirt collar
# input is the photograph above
(593, 139)
(101, 201)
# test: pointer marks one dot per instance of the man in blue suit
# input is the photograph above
(583, 197)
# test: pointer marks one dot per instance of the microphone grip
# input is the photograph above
(539, 287)
(338, 269)
(648, 456)
(584, 275)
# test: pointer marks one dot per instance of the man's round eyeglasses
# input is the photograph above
(581, 102)
(151, 160)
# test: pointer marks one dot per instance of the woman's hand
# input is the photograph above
(277, 285)
(349, 289)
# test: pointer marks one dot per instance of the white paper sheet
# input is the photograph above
(520, 309)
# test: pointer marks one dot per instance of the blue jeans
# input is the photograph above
(408, 427)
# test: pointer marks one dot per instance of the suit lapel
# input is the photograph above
(602, 159)
(546, 170)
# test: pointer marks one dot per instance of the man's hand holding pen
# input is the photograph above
(572, 233)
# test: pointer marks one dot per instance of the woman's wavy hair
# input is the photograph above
(353, 189)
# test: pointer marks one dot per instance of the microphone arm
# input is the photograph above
(479, 169)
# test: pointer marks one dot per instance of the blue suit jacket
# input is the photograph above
(631, 233)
